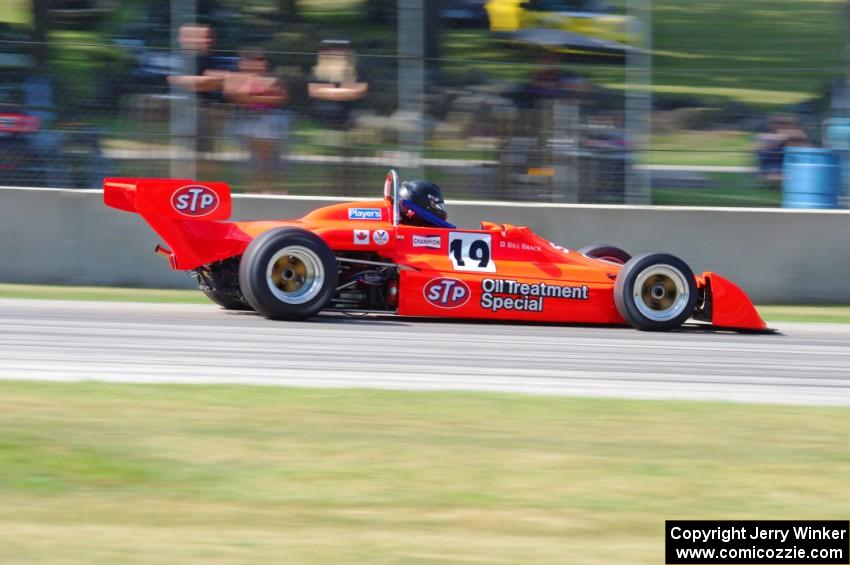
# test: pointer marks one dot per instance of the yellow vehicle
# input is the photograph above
(585, 25)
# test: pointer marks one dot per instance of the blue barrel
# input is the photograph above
(837, 136)
(837, 133)
(811, 178)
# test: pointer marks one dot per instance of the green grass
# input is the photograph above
(726, 189)
(15, 12)
(93, 473)
(702, 148)
(101, 293)
(763, 52)
(775, 313)
(808, 313)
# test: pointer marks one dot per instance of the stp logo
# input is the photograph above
(446, 293)
(195, 200)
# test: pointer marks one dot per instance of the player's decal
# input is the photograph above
(364, 214)
(361, 237)
(380, 237)
(471, 252)
(444, 292)
(195, 200)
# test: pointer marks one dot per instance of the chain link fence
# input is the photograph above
(546, 100)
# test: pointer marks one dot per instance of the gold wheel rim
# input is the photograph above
(289, 273)
(295, 275)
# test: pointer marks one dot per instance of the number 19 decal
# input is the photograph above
(471, 252)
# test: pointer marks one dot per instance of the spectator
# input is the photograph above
(262, 123)
(782, 131)
(334, 87)
(202, 76)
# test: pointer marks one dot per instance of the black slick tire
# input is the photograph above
(288, 274)
(655, 292)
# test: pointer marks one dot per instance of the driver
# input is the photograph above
(421, 204)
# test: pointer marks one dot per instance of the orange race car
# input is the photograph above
(399, 255)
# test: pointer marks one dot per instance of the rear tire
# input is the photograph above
(606, 253)
(288, 274)
(655, 292)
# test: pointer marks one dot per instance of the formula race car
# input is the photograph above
(394, 256)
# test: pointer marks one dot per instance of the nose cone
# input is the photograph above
(731, 307)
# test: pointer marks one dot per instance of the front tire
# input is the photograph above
(655, 292)
(288, 274)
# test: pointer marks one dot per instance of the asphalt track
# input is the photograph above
(123, 342)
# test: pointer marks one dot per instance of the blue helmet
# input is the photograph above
(422, 203)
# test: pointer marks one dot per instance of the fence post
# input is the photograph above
(183, 119)
(564, 142)
(638, 119)
(411, 82)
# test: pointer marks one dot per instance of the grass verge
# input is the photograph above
(101, 293)
(16, 12)
(806, 313)
(100, 473)
(723, 189)
(775, 313)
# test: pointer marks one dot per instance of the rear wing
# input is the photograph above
(173, 198)
(186, 214)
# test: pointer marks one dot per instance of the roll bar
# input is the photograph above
(391, 185)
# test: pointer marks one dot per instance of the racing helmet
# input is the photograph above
(422, 203)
